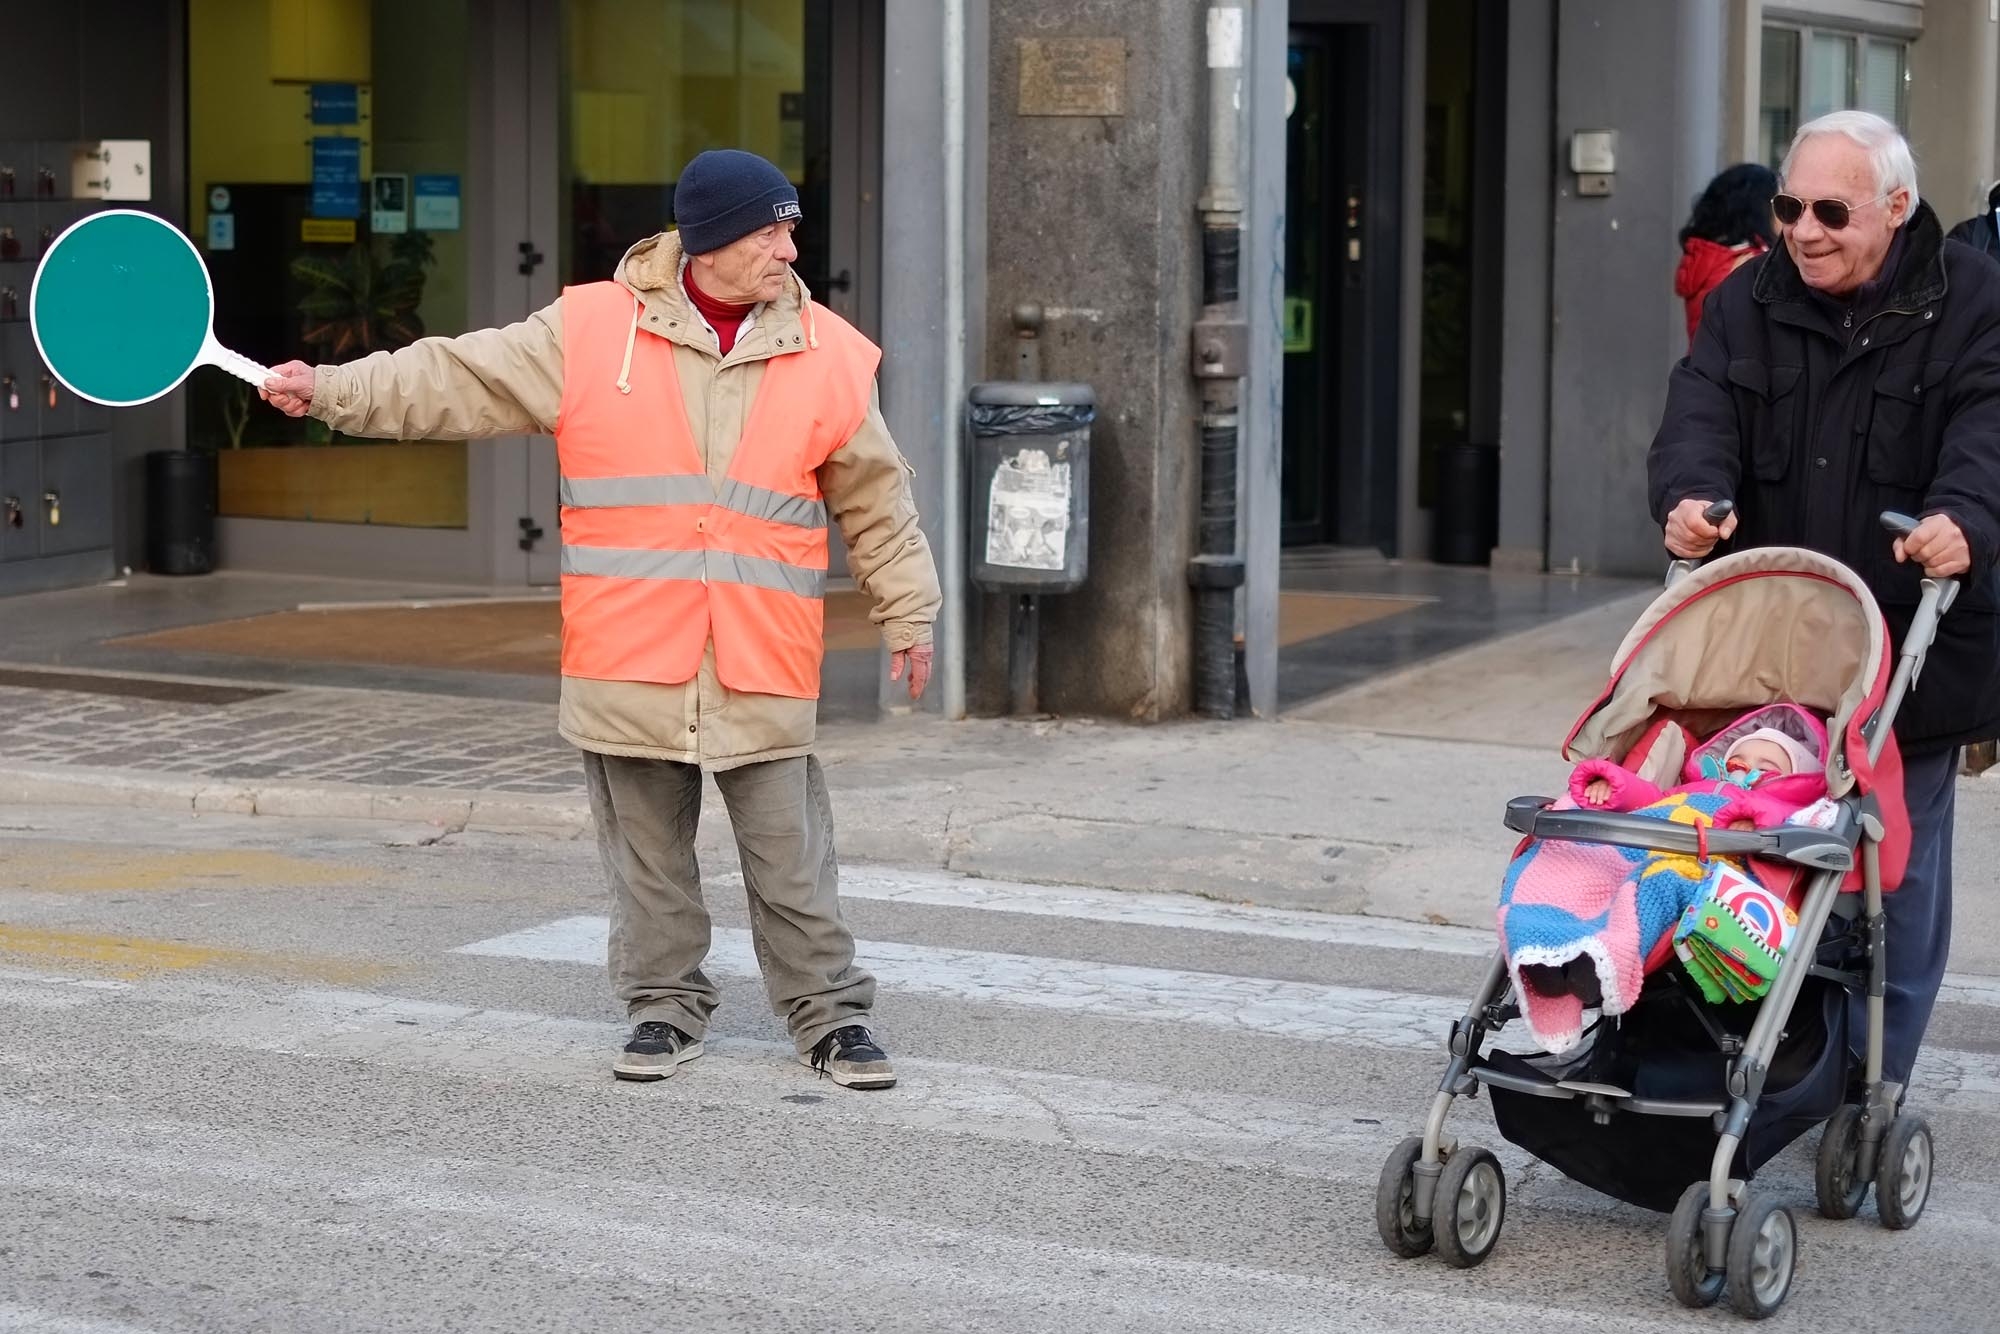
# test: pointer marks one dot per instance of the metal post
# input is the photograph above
(951, 525)
(1024, 656)
(1221, 359)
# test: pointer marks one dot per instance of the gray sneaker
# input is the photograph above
(654, 1052)
(852, 1059)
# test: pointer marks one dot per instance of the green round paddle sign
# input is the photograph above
(122, 310)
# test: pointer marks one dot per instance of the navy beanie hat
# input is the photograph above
(725, 194)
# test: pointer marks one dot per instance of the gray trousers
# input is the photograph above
(1919, 913)
(646, 812)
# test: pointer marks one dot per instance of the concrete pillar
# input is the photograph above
(914, 247)
(1952, 105)
(1524, 306)
(1093, 216)
(1261, 449)
(1743, 79)
(1615, 334)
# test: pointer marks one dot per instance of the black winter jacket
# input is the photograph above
(1814, 422)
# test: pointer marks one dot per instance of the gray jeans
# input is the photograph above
(646, 812)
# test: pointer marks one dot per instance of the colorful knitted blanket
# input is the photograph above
(1564, 904)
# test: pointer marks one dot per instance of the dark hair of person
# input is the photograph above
(1736, 207)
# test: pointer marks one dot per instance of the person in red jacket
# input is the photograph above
(1730, 226)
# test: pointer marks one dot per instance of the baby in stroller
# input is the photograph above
(1581, 923)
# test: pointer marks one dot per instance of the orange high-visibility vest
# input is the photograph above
(657, 560)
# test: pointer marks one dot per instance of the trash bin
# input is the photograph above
(180, 512)
(1030, 477)
(1465, 522)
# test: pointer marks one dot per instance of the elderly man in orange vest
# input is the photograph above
(709, 418)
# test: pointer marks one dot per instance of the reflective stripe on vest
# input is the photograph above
(658, 561)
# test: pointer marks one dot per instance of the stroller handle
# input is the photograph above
(1715, 513)
(1938, 595)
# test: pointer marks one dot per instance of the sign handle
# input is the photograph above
(238, 365)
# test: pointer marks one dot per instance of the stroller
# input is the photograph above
(1675, 1105)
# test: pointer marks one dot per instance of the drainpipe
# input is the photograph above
(951, 476)
(1221, 346)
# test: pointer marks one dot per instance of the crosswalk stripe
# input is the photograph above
(646, 1225)
(1379, 1018)
(1397, 1020)
(31, 1320)
(944, 890)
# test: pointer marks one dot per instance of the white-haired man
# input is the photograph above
(1856, 369)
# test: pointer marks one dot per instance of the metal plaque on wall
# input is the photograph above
(1072, 76)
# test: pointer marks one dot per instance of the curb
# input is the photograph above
(52, 785)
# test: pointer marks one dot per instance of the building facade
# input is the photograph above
(1422, 267)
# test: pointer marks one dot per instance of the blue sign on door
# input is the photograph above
(336, 178)
(336, 104)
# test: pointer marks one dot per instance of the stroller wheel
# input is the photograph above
(1471, 1206)
(1903, 1175)
(1840, 1188)
(1763, 1252)
(1687, 1262)
(1396, 1202)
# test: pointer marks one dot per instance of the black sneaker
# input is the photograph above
(654, 1052)
(852, 1058)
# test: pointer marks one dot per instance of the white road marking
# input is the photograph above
(1393, 1019)
(633, 1228)
(944, 890)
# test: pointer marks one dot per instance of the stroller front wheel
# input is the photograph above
(1396, 1202)
(1471, 1206)
(1903, 1177)
(1841, 1189)
(1693, 1283)
(1763, 1252)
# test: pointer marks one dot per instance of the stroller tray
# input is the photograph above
(1819, 849)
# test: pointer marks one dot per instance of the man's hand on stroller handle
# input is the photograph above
(1936, 543)
(1691, 533)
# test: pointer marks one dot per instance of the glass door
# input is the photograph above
(650, 83)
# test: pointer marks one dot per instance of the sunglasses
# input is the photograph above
(1833, 214)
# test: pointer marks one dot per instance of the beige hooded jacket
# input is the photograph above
(501, 382)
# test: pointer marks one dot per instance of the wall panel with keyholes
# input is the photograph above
(76, 72)
(56, 472)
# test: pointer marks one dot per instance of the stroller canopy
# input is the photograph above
(1763, 626)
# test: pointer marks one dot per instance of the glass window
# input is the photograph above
(326, 160)
(1808, 72)
(1829, 74)
(1882, 79)
(651, 83)
(1778, 114)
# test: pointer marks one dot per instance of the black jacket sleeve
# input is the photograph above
(1698, 453)
(1967, 484)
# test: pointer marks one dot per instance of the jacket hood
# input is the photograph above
(1704, 263)
(1802, 726)
(1920, 277)
(651, 270)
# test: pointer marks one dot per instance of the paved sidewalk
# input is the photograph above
(1386, 808)
(1288, 814)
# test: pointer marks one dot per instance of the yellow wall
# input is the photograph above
(653, 82)
(243, 125)
(319, 41)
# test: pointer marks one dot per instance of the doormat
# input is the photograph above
(522, 638)
(1304, 616)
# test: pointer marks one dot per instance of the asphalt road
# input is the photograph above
(262, 1074)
